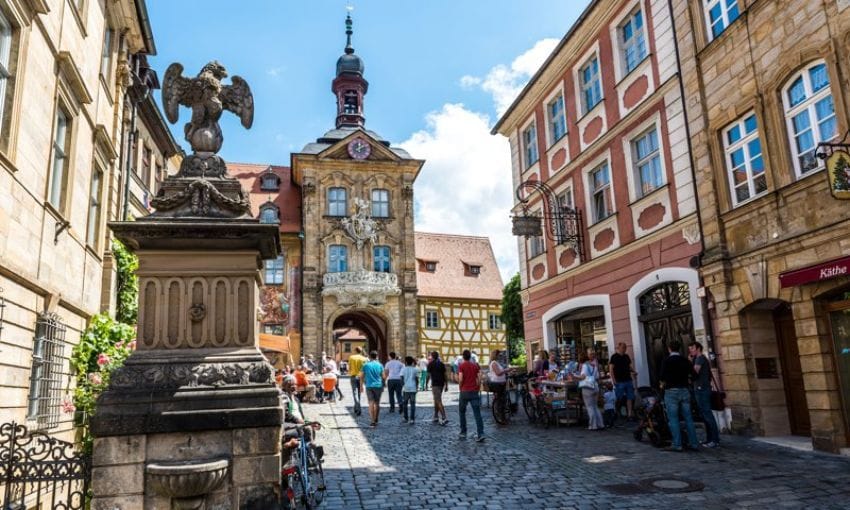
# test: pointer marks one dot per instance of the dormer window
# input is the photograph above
(475, 270)
(269, 181)
(471, 268)
(269, 213)
(430, 267)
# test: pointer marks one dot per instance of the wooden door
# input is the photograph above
(792, 373)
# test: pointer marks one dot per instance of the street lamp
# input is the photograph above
(564, 223)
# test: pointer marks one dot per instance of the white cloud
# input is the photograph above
(504, 82)
(274, 72)
(465, 186)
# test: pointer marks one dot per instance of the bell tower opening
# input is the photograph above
(349, 86)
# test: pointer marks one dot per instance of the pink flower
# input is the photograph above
(67, 406)
(103, 359)
(95, 378)
(119, 345)
(132, 345)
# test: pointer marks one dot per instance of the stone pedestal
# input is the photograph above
(193, 418)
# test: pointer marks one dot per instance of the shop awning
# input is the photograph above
(275, 343)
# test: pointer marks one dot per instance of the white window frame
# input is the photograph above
(334, 202)
(586, 86)
(743, 144)
(494, 321)
(432, 319)
(273, 271)
(592, 191)
(376, 260)
(60, 158)
(106, 53)
(95, 208)
(639, 38)
(551, 120)
(637, 163)
(337, 258)
(380, 203)
(707, 5)
(529, 147)
(808, 105)
(537, 245)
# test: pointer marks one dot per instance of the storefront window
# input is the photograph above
(580, 330)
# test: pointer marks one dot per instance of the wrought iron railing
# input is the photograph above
(39, 471)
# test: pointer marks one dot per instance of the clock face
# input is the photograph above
(359, 148)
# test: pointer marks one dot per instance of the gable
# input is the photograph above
(340, 150)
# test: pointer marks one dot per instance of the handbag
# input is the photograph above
(717, 396)
(589, 382)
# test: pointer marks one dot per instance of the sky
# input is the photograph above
(440, 74)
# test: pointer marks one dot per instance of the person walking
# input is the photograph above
(409, 381)
(622, 375)
(589, 383)
(392, 373)
(423, 373)
(468, 378)
(437, 372)
(355, 367)
(675, 377)
(702, 393)
(373, 380)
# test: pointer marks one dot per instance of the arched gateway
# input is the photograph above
(370, 323)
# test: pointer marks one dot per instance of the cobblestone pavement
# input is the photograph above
(519, 466)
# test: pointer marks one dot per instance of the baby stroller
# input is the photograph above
(652, 417)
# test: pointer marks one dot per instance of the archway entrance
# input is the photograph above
(665, 312)
(373, 327)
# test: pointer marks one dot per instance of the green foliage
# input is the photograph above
(512, 318)
(128, 283)
(103, 347)
(842, 169)
(520, 360)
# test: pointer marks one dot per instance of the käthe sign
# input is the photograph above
(825, 271)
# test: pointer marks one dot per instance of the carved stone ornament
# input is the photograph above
(177, 375)
(360, 226)
(197, 312)
(360, 288)
(200, 197)
(187, 482)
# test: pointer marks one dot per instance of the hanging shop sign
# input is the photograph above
(838, 169)
(816, 273)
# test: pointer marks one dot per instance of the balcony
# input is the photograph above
(360, 288)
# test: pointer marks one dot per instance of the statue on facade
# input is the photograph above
(208, 98)
(360, 226)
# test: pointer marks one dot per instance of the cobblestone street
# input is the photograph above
(426, 466)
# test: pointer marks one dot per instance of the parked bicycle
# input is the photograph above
(507, 404)
(302, 477)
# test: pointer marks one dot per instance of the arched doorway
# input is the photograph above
(665, 314)
(371, 325)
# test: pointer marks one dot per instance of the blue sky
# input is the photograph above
(440, 72)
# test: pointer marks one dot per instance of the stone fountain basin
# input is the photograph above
(186, 479)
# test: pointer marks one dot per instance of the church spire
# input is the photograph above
(349, 86)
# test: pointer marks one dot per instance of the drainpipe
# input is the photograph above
(709, 327)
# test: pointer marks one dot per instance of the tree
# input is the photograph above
(512, 319)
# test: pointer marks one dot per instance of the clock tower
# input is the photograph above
(359, 265)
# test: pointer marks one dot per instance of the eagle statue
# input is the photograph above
(207, 98)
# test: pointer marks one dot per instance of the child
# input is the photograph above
(409, 380)
(610, 412)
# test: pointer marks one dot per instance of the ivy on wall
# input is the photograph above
(127, 310)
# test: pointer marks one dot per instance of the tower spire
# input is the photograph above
(349, 86)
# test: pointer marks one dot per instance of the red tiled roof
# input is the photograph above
(454, 254)
(287, 198)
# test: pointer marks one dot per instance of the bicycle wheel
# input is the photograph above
(298, 484)
(529, 406)
(317, 479)
(500, 412)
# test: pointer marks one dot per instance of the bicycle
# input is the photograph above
(503, 407)
(303, 476)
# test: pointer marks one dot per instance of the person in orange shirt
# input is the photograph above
(329, 381)
(306, 391)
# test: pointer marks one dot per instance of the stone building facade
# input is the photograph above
(766, 81)
(60, 162)
(359, 268)
(601, 124)
(459, 295)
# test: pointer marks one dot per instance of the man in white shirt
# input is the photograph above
(423, 373)
(330, 365)
(392, 373)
